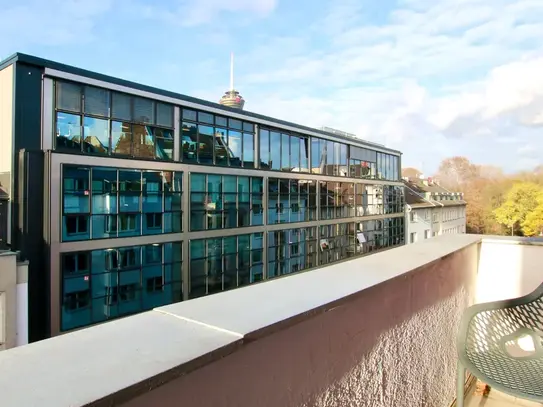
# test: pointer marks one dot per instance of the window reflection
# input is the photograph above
(106, 284)
(224, 201)
(143, 141)
(68, 131)
(189, 141)
(285, 152)
(291, 251)
(206, 138)
(223, 145)
(124, 203)
(248, 150)
(291, 200)
(275, 150)
(265, 149)
(234, 147)
(225, 263)
(111, 123)
(96, 135)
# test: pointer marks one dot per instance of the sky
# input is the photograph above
(431, 78)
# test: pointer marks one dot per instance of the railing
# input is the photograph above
(377, 331)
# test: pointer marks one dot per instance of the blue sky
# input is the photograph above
(433, 78)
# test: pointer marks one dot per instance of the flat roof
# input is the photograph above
(41, 62)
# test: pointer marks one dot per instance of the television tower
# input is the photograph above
(232, 98)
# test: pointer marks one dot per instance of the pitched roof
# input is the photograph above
(439, 196)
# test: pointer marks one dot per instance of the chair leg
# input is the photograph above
(460, 385)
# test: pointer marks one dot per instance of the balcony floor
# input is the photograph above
(497, 399)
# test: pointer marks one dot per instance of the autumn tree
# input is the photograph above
(456, 171)
(521, 200)
(411, 172)
(533, 224)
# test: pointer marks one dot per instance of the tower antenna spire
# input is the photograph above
(231, 97)
(231, 71)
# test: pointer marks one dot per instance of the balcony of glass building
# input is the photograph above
(370, 331)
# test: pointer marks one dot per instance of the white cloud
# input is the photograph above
(190, 13)
(54, 22)
(437, 78)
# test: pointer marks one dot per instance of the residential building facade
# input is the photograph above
(124, 197)
(432, 210)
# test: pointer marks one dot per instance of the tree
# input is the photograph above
(533, 224)
(456, 171)
(411, 172)
(522, 199)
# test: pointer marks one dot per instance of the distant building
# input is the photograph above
(432, 210)
(231, 97)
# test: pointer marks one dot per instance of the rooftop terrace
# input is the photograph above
(373, 331)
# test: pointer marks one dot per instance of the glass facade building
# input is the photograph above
(151, 197)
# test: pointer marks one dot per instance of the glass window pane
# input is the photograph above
(189, 115)
(205, 144)
(97, 101)
(143, 141)
(329, 157)
(189, 141)
(248, 150)
(121, 106)
(164, 144)
(204, 117)
(316, 158)
(264, 149)
(164, 114)
(234, 145)
(304, 154)
(75, 185)
(221, 121)
(96, 135)
(121, 138)
(197, 182)
(285, 152)
(68, 131)
(144, 110)
(295, 152)
(234, 124)
(275, 150)
(68, 96)
(221, 147)
(248, 127)
(104, 190)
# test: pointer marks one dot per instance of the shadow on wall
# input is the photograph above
(382, 347)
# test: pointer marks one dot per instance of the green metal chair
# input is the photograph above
(488, 346)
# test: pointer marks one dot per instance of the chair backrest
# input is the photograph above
(489, 346)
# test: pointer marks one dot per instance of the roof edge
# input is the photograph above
(9, 60)
(42, 62)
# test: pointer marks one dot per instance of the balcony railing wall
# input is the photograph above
(376, 331)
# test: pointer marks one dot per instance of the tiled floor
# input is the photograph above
(497, 399)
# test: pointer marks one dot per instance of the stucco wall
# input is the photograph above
(390, 345)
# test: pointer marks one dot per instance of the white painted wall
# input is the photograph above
(436, 220)
(13, 301)
(508, 269)
(22, 314)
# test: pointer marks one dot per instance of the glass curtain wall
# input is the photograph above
(220, 264)
(92, 120)
(100, 285)
(103, 203)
